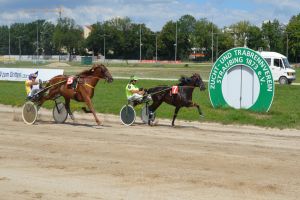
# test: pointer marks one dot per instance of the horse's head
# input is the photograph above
(101, 71)
(197, 81)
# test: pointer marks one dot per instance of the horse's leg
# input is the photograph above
(154, 105)
(89, 103)
(67, 101)
(175, 115)
(198, 108)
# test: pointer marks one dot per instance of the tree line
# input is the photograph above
(120, 38)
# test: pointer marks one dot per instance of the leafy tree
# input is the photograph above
(185, 35)
(67, 36)
(255, 39)
(240, 32)
(4, 40)
(293, 31)
(167, 40)
(273, 35)
(203, 36)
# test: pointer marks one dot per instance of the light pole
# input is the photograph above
(287, 44)
(20, 52)
(175, 42)
(104, 44)
(212, 45)
(141, 42)
(37, 40)
(9, 43)
(155, 47)
(217, 48)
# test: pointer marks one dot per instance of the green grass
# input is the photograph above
(297, 75)
(143, 70)
(109, 98)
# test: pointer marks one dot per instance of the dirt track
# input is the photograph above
(192, 161)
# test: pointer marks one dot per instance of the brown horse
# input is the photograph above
(183, 98)
(83, 90)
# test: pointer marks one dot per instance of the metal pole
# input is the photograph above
(176, 43)
(140, 42)
(156, 47)
(104, 46)
(37, 40)
(19, 48)
(287, 45)
(212, 45)
(9, 43)
(217, 53)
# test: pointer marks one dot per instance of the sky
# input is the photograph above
(153, 13)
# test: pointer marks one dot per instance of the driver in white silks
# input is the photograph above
(29, 85)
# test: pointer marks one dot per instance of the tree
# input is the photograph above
(185, 35)
(167, 40)
(67, 36)
(273, 35)
(240, 32)
(293, 31)
(255, 39)
(203, 36)
(4, 40)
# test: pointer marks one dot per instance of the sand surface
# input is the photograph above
(79, 160)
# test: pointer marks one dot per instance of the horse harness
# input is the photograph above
(73, 81)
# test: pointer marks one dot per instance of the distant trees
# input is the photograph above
(292, 33)
(67, 37)
(120, 38)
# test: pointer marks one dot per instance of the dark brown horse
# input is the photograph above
(183, 98)
(82, 90)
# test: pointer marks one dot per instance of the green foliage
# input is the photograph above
(67, 36)
(122, 38)
(293, 34)
(109, 98)
(273, 35)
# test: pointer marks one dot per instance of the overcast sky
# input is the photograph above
(153, 13)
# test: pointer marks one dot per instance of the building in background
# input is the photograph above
(87, 31)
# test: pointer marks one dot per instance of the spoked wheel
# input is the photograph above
(145, 114)
(127, 115)
(60, 113)
(29, 113)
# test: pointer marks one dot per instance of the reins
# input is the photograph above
(50, 86)
(169, 88)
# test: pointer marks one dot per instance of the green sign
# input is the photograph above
(244, 57)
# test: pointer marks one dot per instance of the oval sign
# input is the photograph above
(248, 58)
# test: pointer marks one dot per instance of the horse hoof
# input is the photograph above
(99, 123)
(202, 116)
(72, 117)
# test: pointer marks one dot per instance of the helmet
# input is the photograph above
(33, 75)
(133, 78)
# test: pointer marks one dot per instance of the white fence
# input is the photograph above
(56, 58)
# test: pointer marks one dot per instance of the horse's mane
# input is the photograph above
(184, 80)
(89, 72)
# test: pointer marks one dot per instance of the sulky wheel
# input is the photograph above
(127, 115)
(29, 113)
(59, 113)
